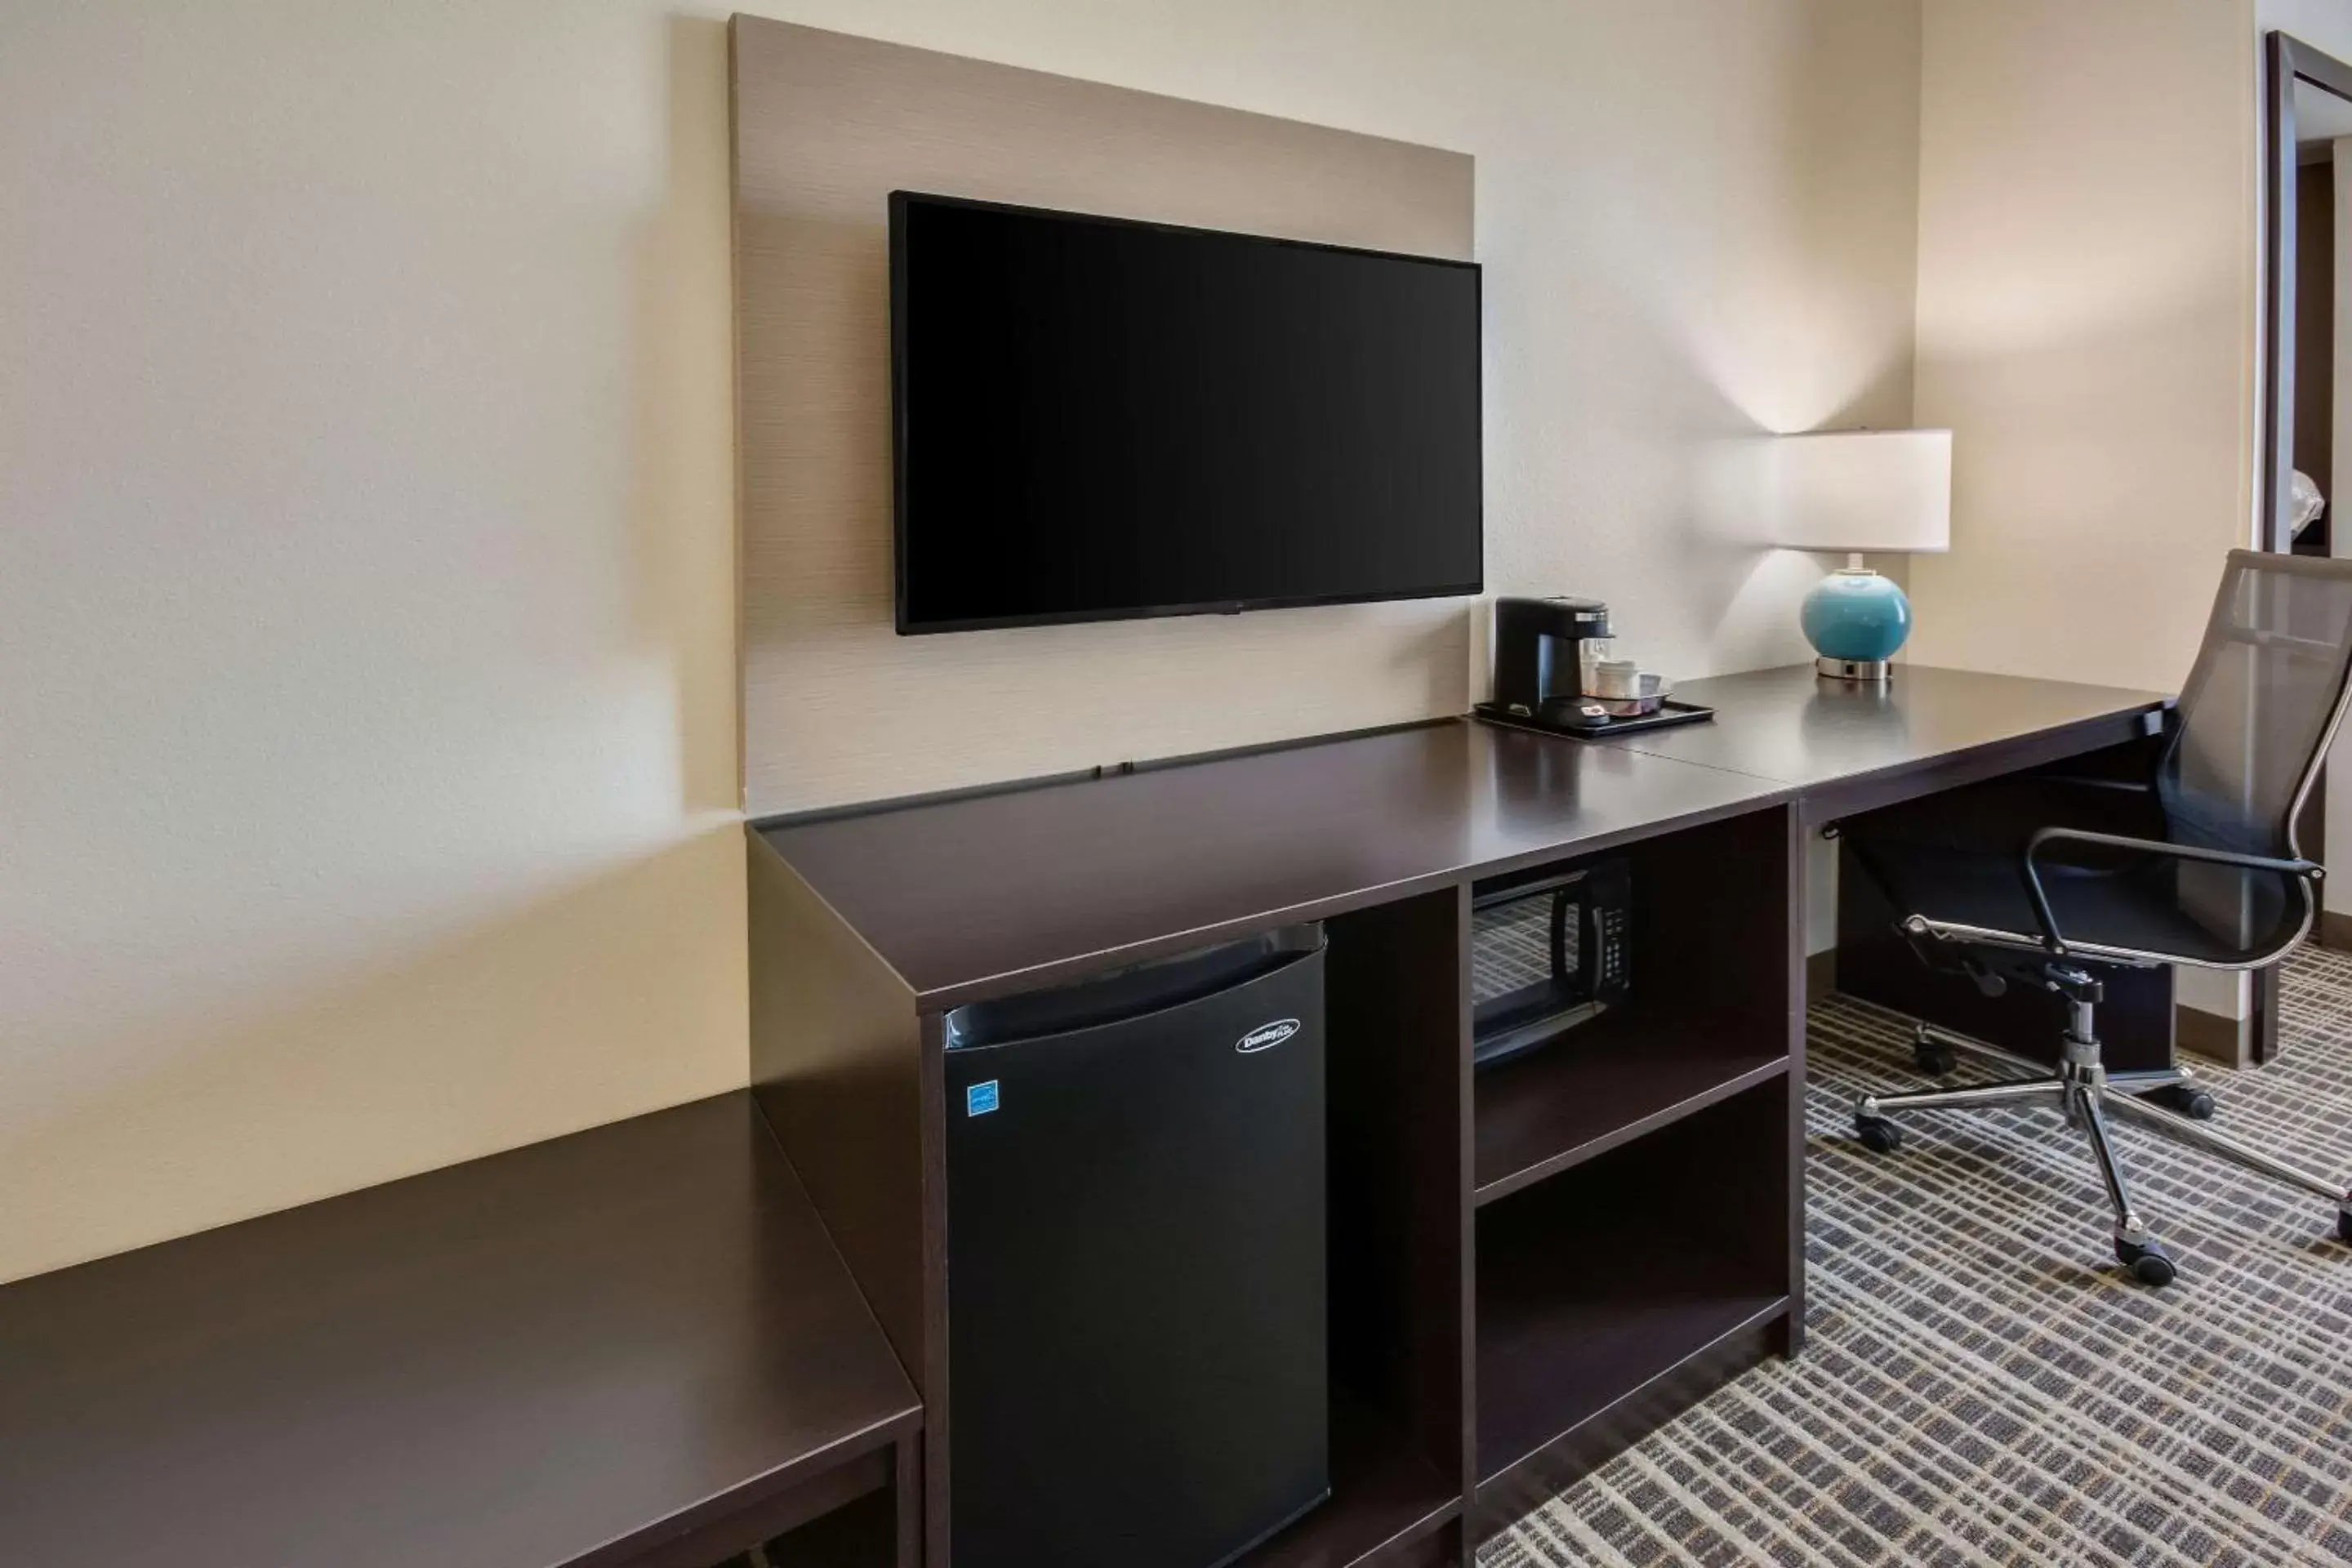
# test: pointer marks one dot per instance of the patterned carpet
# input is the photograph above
(1983, 1384)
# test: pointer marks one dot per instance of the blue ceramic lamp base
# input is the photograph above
(1855, 619)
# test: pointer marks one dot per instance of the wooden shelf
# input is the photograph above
(1601, 1282)
(1605, 1083)
(1692, 1352)
(1550, 1359)
(1385, 1498)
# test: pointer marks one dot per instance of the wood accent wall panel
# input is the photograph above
(837, 708)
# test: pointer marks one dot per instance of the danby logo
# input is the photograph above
(1266, 1037)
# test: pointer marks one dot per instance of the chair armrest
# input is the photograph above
(2310, 871)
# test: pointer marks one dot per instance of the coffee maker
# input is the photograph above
(1540, 649)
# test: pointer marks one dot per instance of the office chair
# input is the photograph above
(2030, 880)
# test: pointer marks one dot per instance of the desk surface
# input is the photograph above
(1003, 893)
(1000, 892)
(533, 1359)
(1790, 725)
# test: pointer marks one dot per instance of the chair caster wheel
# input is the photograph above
(2195, 1103)
(2344, 1227)
(2149, 1263)
(1933, 1060)
(1878, 1135)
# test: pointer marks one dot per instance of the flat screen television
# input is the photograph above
(1097, 419)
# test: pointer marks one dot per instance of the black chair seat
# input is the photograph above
(2135, 905)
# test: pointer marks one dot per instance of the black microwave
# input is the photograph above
(1547, 952)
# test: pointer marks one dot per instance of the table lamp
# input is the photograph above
(1858, 491)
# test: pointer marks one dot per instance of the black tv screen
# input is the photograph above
(1096, 418)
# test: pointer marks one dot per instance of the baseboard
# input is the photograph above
(2229, 1041)
(1820, 973)
(2335, 932)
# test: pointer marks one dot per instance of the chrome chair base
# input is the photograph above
(2084, 1092)
(1937, 1051)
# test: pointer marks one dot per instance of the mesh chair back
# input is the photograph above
(2262, 704)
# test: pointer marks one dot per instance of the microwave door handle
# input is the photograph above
(1588, 945)
(1560, 936)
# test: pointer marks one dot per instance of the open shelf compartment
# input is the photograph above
(1597, 1288)
(1710, 1012)
(862, 1533)
(1616, 1079)
(1396, 1084)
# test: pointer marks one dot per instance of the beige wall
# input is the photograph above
(2086, 327)
(2322, 24)
(2085, 289)
(365, 505)
(366, 648)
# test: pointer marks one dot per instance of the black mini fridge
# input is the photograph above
(1136, 1262)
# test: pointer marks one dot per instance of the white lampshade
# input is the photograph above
(1875, 490)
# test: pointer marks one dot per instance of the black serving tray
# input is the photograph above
(1669, 714)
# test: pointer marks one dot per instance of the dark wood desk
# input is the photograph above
(630, 1346)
